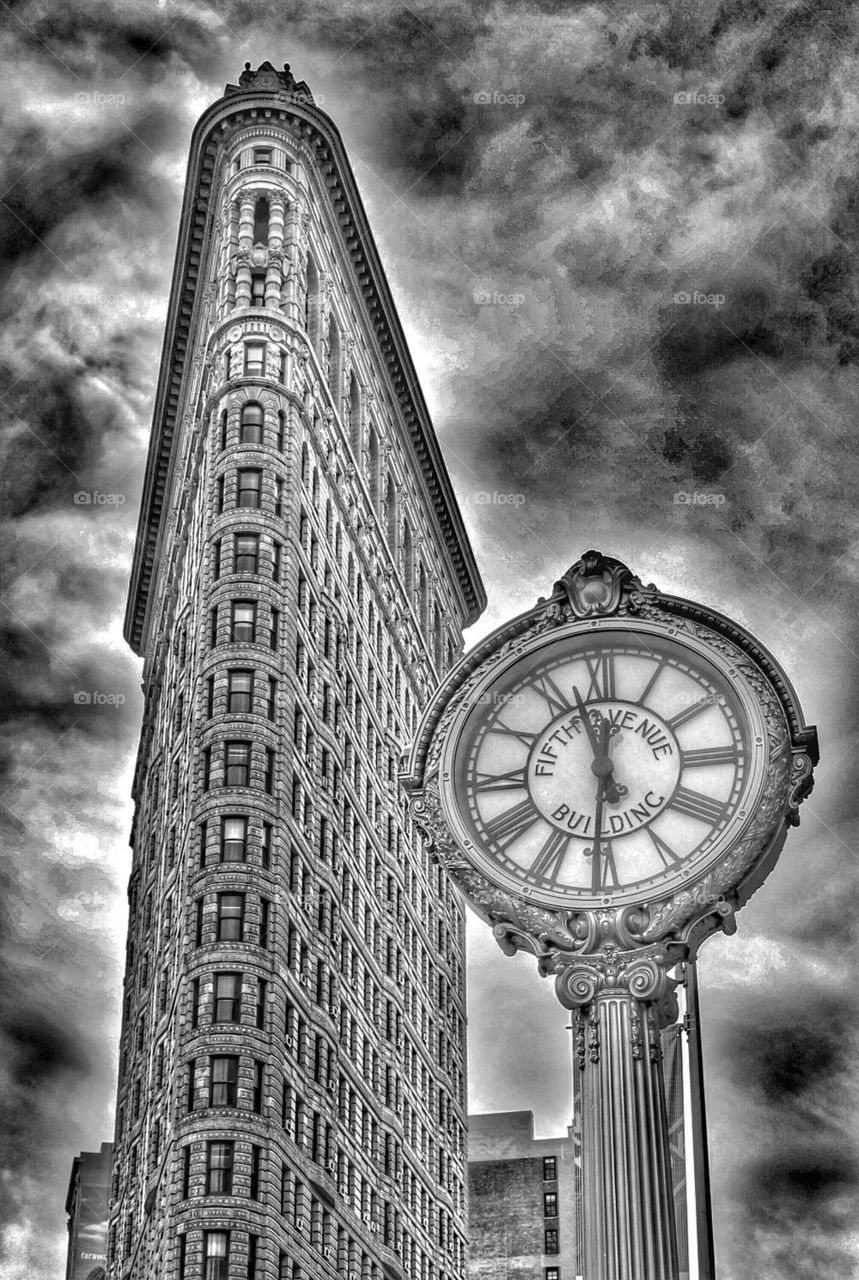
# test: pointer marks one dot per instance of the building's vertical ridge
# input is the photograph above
(292, 1077)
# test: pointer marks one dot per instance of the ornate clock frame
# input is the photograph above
(612, 963)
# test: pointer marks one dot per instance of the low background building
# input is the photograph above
(86, 1205)
(523, 1209)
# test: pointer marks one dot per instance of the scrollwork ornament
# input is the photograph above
(635, 1040)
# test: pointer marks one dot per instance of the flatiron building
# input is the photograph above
(292, 1066)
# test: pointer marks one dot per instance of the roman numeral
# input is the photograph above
(511, 781)
(602, 674)
(547, 863)
(689, 713)
(708, 755)
(604, 868)
(547, 689)
(508, 827)
(695, 805)
(654, 676)
(666, 853)
(521, 734)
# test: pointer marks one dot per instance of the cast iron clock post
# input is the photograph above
(608, 778)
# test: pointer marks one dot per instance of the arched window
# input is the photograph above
(335, 363)
(437, 640)
(391, 505)
(355, 414)
(311, 303)
(373, 467)
(423, 601)
(408, 560)
(261, 221)
(252, 421)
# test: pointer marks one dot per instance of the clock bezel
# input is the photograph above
(661, 884)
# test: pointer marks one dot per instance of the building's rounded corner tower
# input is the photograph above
(292, 1071)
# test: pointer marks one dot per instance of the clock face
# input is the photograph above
(604, 767)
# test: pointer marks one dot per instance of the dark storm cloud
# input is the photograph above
(597, 200)
(796, 1191)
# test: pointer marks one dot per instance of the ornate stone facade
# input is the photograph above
(292, 1078)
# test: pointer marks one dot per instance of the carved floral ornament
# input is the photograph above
(603, 943)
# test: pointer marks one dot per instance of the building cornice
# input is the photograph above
(235, 109)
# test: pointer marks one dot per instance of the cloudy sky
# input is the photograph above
(623, 241)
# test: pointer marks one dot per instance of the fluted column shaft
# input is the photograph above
(628, 1193)
(620, 1001)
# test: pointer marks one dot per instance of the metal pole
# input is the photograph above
(700, 1153)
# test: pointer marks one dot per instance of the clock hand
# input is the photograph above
(586, 721)
(595, 852)
(603, 765)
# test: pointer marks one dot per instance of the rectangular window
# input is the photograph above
(204, 835)
(273, 628)
(224, 424)
(271, 697)
(550, 1168)
(216, 560)
(219, 496)
(258, 1085)
(223, 1081)
(265, 844)
(264, 922)
(262, 155)
(216, 1255)
(258, 289)
(237, 764)
(268, 776)
(262, 987)
(254, 360)
(195, 1002)
(240, 689)
(276, 561)
(186, 1172)
(219, 1169)
(256, 1164)
(234, 839)
(550, 1204)
(252, 1257)
(551, 1241)
(246, 548)
(192, 1085)
(213, 627)
(248, 487)
(552, 1273)
(281, 367)
(231, 917)
(210, 697)
(278, 491)
(227, 998)
(198, 923)
(243, 622)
